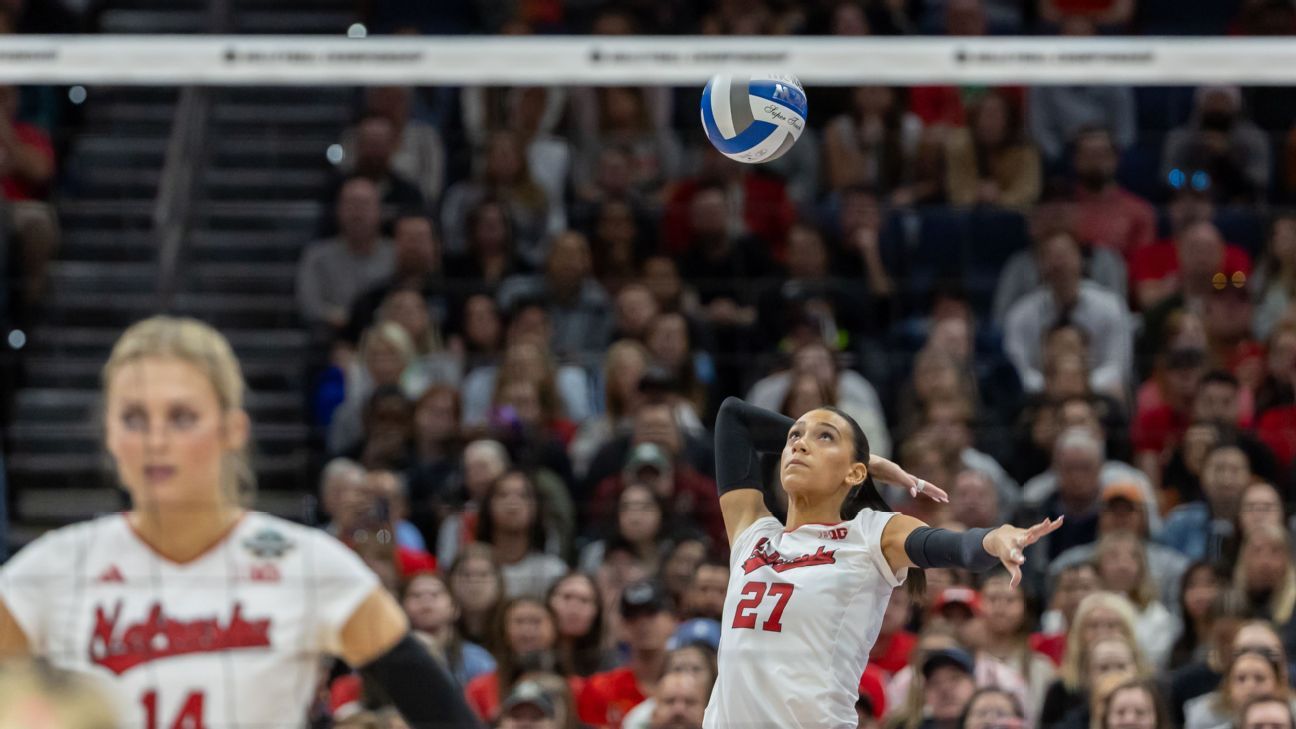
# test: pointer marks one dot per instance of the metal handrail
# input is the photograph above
(176, 187)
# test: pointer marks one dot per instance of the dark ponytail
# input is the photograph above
(865, 495)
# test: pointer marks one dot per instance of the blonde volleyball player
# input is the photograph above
(191, 611)
(806, 598)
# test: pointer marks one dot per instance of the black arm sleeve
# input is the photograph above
(421, 689)
(930, 547)
(743, 432)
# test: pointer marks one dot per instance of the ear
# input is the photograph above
(238, 428)
(857, 473)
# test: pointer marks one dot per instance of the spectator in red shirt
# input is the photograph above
(1160, 421)
(26, 171)
(1186, 265)
(1107, 214)
(648, 623)
(757, 204)
(894, 644)
(525, 627)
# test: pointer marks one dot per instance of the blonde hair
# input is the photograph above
(1145, 593)
(70, 699)
(1283, 602)
(1075, 662)
(198, 344)
(389, 332)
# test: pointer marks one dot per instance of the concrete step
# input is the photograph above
(34, 406)
(107, 246)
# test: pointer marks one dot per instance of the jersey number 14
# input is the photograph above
(190, 715)
(753, 593)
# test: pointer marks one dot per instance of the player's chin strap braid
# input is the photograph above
(421, 689)
(744, 433)
(929, 547)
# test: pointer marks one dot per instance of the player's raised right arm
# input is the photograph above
(13, 641)
(744, 432)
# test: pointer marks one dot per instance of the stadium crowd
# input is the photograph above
(529, 303)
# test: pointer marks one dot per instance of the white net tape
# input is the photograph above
(594, 60)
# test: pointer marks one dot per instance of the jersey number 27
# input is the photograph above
(753, 593)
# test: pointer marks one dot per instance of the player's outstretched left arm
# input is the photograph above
(907, 542)
(377, 640)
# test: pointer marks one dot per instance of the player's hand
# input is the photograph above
(1009, 543)
(889, 472)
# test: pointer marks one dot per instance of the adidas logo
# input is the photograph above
(112, 574)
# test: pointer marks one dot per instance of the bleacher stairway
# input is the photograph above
(255, 204)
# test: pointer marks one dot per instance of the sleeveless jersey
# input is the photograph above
(232, 638)
(802, 612)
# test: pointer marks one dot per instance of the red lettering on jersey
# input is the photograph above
(112, 574)
(763, 556)
(157, 637)
(265, 573)
(835, 534)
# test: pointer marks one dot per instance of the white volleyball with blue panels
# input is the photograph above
(754, 118)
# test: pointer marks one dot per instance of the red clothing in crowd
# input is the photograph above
(1053, 646)
(1116, 219)
(694, 498)
(947, 105)
(483, 694)
(1156, 428)
(413, 561)
(767, 211)
(872, 685)
(1161, 260)
(608, 697)
(1277, 429)
(892, 654)
(32, 136)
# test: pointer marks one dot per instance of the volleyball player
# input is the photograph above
(190, 610)
(805, 599)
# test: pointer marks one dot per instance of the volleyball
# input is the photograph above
(755, 118)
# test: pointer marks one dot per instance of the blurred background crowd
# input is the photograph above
(519, 309)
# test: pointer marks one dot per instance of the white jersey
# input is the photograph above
(802, 612)
(232, 638)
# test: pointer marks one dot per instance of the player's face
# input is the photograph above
(168, 434)
(819, 456)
